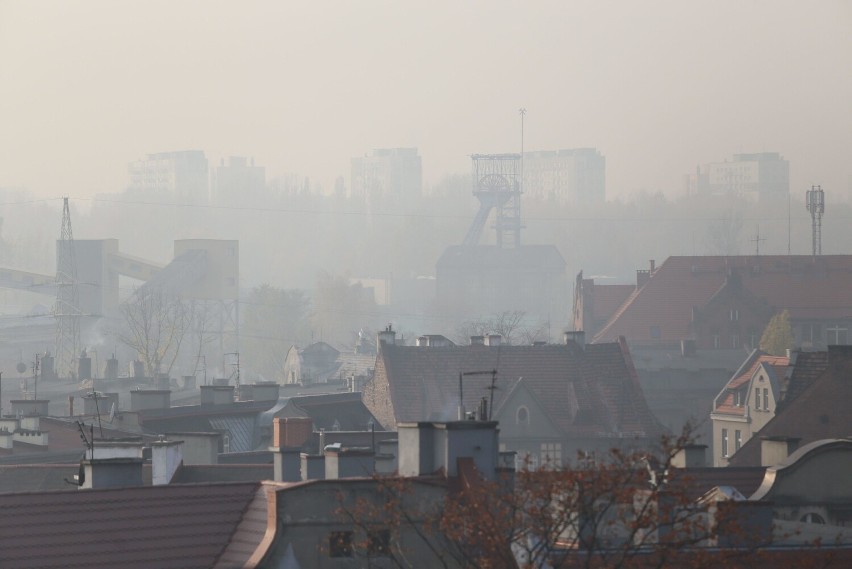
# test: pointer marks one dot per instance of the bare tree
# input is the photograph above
(622, 510)
(154, 324)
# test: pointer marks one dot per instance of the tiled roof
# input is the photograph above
(809, 288)
(193, 474)
(181, 527)
(347, 409)
(608, 298)
(807, 367)
(598, 381)
(36, 477)
(819, 411)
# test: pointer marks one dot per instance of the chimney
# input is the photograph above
(217, 394)
(578, 337)
(493, 340)
(290, 432)
(477, 340)
(386, 336)
(262, 391)
(149, 399)
(690, 456)
(642, 277)
(166, 458)
(653, 266)
(773, 450)
(313, 466)
(112, 463)
(199, 447)
(426, 448)
(349, 462)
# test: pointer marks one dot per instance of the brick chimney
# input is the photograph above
(386, 336)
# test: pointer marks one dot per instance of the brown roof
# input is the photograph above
(809, 288)
(820, 411)
(161, 526)
(599, 382)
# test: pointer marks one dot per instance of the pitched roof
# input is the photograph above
(808, 287)
(820, 411)
(159, 526)
(598, 381)
(775, 366)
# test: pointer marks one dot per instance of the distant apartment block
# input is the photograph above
(760, 176)
(388, 172)
(238, 181)
(179, 176)
(568, 176)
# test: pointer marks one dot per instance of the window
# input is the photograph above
(734, 314)
(551, 453)
(765, 399)
(717, 341)
(812, 518)
(735, 341)
(226, 443)
(835, 336)
(757, 398)
(378, 543)
(724, 443)
(522, 416)
(340, 544)
(738, 398)
(738, 440)
(655, 332)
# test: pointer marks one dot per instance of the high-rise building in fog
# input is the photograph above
(180, 176)
(756, 177)
(238, 181)
(569, 176)
(389, 172)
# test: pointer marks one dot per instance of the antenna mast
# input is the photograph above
(66, 311)
(815, 202)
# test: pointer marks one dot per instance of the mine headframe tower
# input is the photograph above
(497, 186)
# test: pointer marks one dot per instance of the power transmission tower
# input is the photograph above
(66, 311)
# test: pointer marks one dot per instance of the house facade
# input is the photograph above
(747, 403)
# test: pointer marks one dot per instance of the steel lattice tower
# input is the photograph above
(815, 202)
(66, 311)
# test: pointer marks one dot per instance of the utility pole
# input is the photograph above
(35, 376)
(757, 241)
(522, 111)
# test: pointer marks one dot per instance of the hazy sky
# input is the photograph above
(657, 86)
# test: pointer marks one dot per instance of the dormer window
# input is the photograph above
(737, 398)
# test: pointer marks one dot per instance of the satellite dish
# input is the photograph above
(21, 367)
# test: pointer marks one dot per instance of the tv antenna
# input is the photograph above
(815, 202)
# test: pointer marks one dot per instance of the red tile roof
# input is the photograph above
(817, 288)
(179, 527)
(725, 401)
(819, 411)
(599, 381)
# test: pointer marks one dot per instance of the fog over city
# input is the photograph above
(533, 284)
(659, 87)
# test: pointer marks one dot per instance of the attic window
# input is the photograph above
(734, 314)
(522, 416)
